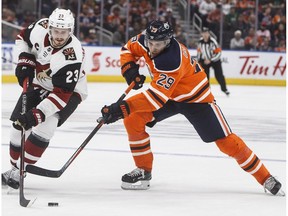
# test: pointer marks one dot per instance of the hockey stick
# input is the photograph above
(57, 173)
(23, 201)
(10, 61)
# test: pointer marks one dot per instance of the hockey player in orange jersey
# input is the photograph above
(179, 86)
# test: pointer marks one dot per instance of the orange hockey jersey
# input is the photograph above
(175, 76)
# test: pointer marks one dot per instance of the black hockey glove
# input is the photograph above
(115, 112)
(130, 71)
(25, 67)
(32, 118)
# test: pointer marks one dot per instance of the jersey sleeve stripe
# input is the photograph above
(151, 100)
(57, 100)
(156, 97)
(206, 94)
(125, 52)
(51, 105)
(55, 103)
(159, 93)
(197, 94)
(194, 90)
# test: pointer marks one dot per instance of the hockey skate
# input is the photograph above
(11, 178)
(273, 186)
(227, 92)
(138, 179)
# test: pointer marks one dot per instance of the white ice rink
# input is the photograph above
(190, 177)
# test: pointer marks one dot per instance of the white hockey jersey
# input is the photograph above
(57, 70)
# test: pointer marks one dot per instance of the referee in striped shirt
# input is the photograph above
(208, 55)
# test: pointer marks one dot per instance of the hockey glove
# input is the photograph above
(32, 118)
(115, 112)
(25, 67)
(130, 71)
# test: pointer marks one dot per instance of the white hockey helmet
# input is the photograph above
(61, 18)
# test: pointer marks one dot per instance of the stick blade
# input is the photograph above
(43, 172)
(26, 203)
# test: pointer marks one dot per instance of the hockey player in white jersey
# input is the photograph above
(51, 57)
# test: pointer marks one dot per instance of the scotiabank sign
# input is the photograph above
(241, 64)
(105, 61)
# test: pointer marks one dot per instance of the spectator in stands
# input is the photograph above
(230, 20)
(251, 20)
(263, 33)
(180, 34)
(264, 45)
(121, 6)
(281, 47)
(146, 9)
(114, 19)
(8, 33)
(9, 16)
(97, 13)
(28, 18)
(237, 43)
(213, 19)
(119, 36)
(144, 23)
(87, 19)
(108, 5)
(244, 4)
(266, 17)
(170, 18)
(194, 8)
(135, 15)
(92, 38)
(162, 8)
(135, 29)
(205, 8)
(250, 40)
(279, 34)
(47, 7)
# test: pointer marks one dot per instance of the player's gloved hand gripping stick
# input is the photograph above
(57, 173)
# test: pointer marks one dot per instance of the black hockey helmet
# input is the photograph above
(159, 31)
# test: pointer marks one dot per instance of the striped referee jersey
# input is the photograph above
(208, 50)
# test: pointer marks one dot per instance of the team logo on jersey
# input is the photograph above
(44, 24)
(69, 54)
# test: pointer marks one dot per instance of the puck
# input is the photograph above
(53, 204)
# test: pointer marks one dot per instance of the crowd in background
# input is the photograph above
(238, 20)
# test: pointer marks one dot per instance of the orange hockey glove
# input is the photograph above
(130, 71)
(115, 112)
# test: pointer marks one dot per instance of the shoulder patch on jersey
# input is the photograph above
(133, 39)
(44, 24)
(69, 53)
(170, 59)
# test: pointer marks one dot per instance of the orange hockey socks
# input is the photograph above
(235, 147)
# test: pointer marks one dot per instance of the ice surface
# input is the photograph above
(189, 177)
